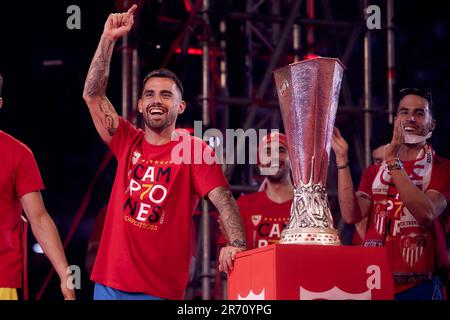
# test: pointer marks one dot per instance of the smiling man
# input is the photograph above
(145, 247)
(402, 197)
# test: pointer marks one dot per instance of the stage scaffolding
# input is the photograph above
(273, 34)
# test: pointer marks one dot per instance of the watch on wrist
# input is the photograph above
(397, 165)
(239, 243)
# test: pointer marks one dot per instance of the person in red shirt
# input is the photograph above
(20, 186)
(402, 198)
(377, 145)
(145, 247)
(266, 213)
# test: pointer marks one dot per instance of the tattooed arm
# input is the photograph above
(223, 200)
(105, 117)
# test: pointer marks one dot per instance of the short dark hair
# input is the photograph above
(164, 73)
(421, 92)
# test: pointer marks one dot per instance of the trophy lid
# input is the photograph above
(311, 60)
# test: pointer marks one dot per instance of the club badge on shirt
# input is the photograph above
(413, 247)
(256, 219)
(136, 156)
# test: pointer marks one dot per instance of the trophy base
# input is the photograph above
(314, 236)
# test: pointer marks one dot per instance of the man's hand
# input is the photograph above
(119, 24)
(398, 139)
(340, 147)
(227, 256)
(230, 223)
(69, 294)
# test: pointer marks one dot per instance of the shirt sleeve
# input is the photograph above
(206, 175)
(367, 179)
(440, 179)
(124, 134)
(27, 176)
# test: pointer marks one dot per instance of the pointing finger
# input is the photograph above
(132, 10)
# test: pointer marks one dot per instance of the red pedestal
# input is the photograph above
(306, 272)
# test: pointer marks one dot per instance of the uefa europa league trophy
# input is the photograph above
(308, 93)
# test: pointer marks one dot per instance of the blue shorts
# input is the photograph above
(427, 290)
(102, 292)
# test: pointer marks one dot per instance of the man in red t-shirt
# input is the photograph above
(266, 213)
(377, 145)
(402, 198)
(20, 185)
(146, 242)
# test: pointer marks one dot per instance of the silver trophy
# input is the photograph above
(308, 93)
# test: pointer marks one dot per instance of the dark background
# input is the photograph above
(44, 108)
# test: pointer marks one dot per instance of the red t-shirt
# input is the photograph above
(147, 236)
(19, 175)
(402, 262)
(96, 234)
(263, 218)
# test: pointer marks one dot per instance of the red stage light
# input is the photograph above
(191, 51)
(310, 56)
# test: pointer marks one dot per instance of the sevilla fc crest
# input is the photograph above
(413, 247)
(380, 222)
(256, 219)
(136, 156)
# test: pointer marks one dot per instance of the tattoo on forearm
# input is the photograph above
(229, 211)
(96, 83)
(109, 117)
(97, 78)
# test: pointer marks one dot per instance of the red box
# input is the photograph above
(307, 272)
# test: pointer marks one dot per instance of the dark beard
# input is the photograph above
(276, 179)
(155, 126)
(160, 125)
(284, 174)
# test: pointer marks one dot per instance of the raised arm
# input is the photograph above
(105, 117)
(223, 200)
(354, 206)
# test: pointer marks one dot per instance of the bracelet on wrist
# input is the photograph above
(397, 165)
(239, 243)
(391, 159)
(343, 166)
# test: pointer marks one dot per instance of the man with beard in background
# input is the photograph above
(265, 213)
